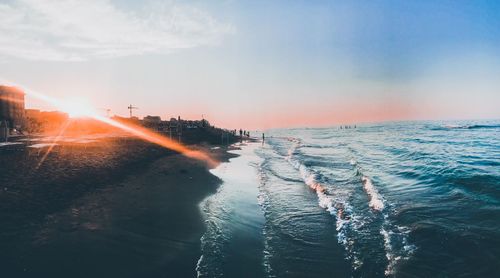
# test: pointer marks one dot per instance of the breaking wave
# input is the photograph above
(376, 201)
(396, 245)
(337, 205)
(465, 126)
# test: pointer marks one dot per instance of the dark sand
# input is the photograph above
(124, 208)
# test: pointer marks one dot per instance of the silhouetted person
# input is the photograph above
(263, 138)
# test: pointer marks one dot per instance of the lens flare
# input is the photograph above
(76, 107)
(53, 143)
(158, 139)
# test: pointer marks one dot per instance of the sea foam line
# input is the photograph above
(395, 255)
(263, 200)
(395, 237)
(376, 201)
(337, 207)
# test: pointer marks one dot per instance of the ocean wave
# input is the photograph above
(215, 237)
(349, 224)
(337, 205)
(263, 200)
(376, 201)
(396, 244)
(465, 126)
(397, 247)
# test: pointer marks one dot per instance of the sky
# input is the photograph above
(259, 64)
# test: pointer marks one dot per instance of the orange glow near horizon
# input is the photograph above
(158, 139)
(80, 108)
(53, 143)
(77, 108)
(344, 111)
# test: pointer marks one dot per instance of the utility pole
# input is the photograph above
(130, 108)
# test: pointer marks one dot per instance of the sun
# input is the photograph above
(77, 107)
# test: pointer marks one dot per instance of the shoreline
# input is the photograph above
(143, 221)
(234, 219)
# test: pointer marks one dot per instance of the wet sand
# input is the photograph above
(128, 209)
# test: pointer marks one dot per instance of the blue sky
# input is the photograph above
(261, 63)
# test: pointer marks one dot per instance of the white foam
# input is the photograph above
(392, 253)
(337, 205)
(388, 252)
(395, 238)
(376, 201)
(456, 126)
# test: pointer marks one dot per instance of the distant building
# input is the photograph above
(153, 120)
(196, 124)
(12, 106)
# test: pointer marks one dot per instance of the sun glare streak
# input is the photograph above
(159, 139)
(53, 143)
(77, 108)
(80, 108)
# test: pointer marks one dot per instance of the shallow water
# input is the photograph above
(233, 242)
(395, 199)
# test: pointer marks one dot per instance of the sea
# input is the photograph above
(402, 199)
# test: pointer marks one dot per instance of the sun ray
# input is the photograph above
(54, 142)
(158, 139)
(82, 109)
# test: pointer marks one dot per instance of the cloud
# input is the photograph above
(72, 30)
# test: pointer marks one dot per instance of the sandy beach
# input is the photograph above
(124, 208)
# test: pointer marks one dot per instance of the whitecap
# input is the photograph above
(376, 201)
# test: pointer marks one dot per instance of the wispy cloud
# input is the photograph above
(72, 30)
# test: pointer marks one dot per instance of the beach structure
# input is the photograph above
(12, 107)
(152, 120)
(130, 108)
